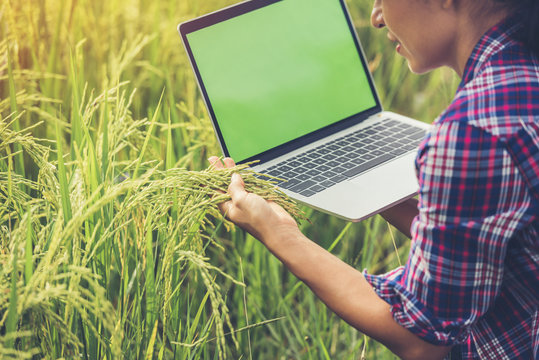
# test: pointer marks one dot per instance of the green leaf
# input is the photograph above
(62, 177)
(28, 251)
(19, 160)
(11, 322)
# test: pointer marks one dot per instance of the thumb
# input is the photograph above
(237, 186)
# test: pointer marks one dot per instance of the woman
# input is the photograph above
(471, 284)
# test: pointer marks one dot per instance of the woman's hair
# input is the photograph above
(527, 13)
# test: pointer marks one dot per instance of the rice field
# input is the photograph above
(111, 245)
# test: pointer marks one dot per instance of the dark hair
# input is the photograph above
(527, 13)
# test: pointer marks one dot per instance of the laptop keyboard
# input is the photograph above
(346, 157)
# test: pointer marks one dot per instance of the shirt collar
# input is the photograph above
(495, 39)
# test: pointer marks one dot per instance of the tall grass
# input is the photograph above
(111, 245)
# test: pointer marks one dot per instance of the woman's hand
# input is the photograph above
(261, 218)
(402, 215)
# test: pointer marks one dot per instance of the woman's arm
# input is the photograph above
(346, 292)
(342, 288)
(402, 215)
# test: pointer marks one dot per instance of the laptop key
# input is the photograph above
(340, 160)
(411, 130)
(301, 170)
(323, 151)
(283, 176)
(290, 175)
(371, 147)
(333, 147)
(294, 163)
(382, 142)
(411, 147)
(397, 152)
(368, 165)
(402, 142)
(319, 178)
(327, 183)
(417, 136)
(302, 186)
(329, 174)
(284, 168)
(403, 126)
(357, 161)
(379, 145)
(329, 157)
(361, 136)
(360, 152)
(367, 156)
(289, 184)
(303, 177)
(393, 138)
(339, 169)
(275, 173)
(277, 182)
(308, 193)
(379, 127)
(358, 145)
(317, 188)
(323, 168)
(389, 122)
(338, 178)
(333, 163)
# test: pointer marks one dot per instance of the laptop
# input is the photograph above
(286, 83)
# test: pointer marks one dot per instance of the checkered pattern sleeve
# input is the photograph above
(468, 211)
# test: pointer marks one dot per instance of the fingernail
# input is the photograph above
(235, 177)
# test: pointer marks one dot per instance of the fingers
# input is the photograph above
(236, 187)
(215, 162)
(237, 192)
(218, 164)
(224, 207)
(229, 163)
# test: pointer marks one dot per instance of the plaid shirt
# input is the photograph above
(472, 277)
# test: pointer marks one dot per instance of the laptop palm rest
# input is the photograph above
(365, 195)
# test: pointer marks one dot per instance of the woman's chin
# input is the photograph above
(417, 68)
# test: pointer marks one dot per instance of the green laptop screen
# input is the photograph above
(280, 72)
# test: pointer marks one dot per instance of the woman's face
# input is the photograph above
(424, 30)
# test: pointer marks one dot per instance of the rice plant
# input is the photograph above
(95, 255)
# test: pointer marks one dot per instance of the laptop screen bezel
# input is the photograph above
(273, 153)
